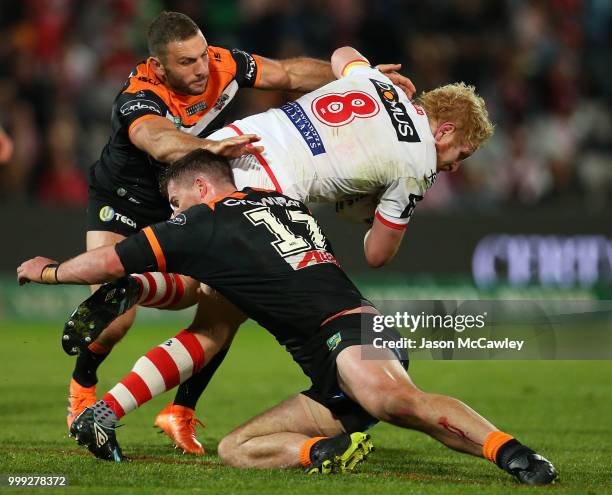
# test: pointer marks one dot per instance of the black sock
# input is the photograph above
(509, 451)
(328, 447)
(86, 366)
(190, 390)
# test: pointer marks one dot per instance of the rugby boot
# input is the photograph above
(179, 422)
(527, 466)
(79, 399)
(99, 439)
(97, 311)
(339, 454)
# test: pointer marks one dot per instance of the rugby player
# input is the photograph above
(256, 248)
(357, 135)
(170, 101)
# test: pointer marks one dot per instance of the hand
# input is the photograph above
(390, 70)
(359, 208)
(235, 146)
(6, 147)
(31, 270)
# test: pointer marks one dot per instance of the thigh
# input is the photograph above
(372, 382)
(216, 320)
(298, 414)
(214, 310)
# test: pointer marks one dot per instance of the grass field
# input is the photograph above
(562, 409)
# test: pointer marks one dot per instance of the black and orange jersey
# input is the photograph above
(262, 250)
(125, 171)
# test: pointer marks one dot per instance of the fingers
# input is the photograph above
(388, 67)
(390, 70)
(253, 150)
(22, 278)
(241, 145)
(404, 83)
(243, 139)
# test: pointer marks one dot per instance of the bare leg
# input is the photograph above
(385, 390)
(274, 438)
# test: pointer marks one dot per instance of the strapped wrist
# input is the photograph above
(48, 275)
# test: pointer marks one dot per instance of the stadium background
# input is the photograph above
(528, 217)
(542, 67)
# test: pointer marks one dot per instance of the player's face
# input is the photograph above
(185, 65)
(451, 151)
(184, 195)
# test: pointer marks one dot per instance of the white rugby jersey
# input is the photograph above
(357, 135)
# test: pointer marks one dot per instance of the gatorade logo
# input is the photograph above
(333, 341)
(107, 214)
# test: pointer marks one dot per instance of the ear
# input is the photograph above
(444, 129)
(158, 68)
(202, 186)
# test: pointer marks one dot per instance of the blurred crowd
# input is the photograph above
(543, 66)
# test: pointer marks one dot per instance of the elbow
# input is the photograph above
(377, 260)
(338, 59)
(379, 252)
(338, 52)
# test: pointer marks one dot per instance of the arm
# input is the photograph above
(294, 74)
(342, 57)
(381, 243)
(93, 267)
(159, 138)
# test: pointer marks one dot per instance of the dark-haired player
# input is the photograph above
(266, 254)
(170, 101)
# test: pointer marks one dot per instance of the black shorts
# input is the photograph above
(112, 213)
(343, 332)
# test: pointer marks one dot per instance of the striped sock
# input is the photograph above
(160, 369)
(159, 290)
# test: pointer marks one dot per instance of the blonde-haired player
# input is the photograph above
(361, 135)
(358, 135)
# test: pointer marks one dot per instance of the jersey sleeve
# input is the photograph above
(248, 68)
(357, 66)
(178, 245)
(135, 107)
(362, 68)
(398, 202)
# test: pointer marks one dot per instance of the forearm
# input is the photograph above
(307, 74)
(93, 267)
(168, 145)
(381, 244)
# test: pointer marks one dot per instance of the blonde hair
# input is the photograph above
(459, 103)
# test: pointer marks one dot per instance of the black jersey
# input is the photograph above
(125, 171)
(262, 250)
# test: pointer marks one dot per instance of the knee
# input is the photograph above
(398, 405)
(229, 451)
